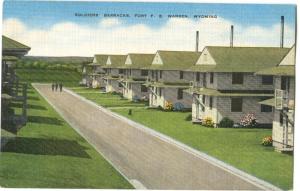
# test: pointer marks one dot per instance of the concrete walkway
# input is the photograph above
(143, 156)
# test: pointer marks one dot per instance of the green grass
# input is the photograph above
(68, 78)
(238, 147)
(48, 153)
(106, 99)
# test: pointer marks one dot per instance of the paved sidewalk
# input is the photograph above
(145, 159)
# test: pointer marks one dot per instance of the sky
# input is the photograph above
(64, 29)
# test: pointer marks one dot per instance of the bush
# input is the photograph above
(226, 122)
(208, 122)
(249, 120)
(267, 141)
(188, 117)
(168, 106)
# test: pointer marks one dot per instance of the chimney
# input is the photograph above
(197, 41)
(282, 32)
(231, 36)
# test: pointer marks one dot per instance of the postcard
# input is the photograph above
(147, 95)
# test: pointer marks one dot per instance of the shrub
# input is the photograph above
(249, 120)
(168, 106)
(188, 117)
(267, 141)
(208, 122)
(226, 122)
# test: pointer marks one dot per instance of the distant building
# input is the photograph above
(134, 77)
(114, 69)
(95, 76)
(168, 78)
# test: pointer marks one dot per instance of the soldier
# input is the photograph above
(56, 86)
(52, 86)
(60, 86)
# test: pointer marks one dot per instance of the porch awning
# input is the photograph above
(270, 102)
(214, 92)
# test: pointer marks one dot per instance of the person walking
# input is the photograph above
(52, 86)
(60, 86)
(56, 86)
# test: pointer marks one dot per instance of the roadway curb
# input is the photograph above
(243, 175)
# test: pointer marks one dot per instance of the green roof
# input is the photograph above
(117, 61)
(214, 92)
(139, 61)
(270, 102)
(287, 70)
(9, 58)
(10, 44)
(244, 59)
(176, 60)
(101, 59)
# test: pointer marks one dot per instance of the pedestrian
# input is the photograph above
(56, 86)
(52, 86)
(60, 86)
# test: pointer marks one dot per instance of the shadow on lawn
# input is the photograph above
(45, 120)
(33, 98)
(29, 106)
(40, 146)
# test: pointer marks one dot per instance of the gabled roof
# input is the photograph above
(176, 60)
(10, 44)
(243, 59)
(140, 60)
(101, 60)
(286, 67)
(117, 61)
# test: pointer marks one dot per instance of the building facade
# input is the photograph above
(225, 84)
(134, 77)
(168, 79)
(283, 101)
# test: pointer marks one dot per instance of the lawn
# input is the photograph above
(238, 147)
(109, 100)
(48, 153)
(67, 77)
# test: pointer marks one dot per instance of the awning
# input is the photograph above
(214, 92)
(270, 102)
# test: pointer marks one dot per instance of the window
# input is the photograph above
(144, 72)
(281, 119)
(267, 80)
(144, 88)
(198, 76)
(236, 104)
(211, 78)
(179, 93)
(210, 102)
(181, 75)
(237, 78)
(121, 71)
(203, 99)
(265, 108)
(159, 92)
(152, 72)
(160, 74)
(285, 83)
